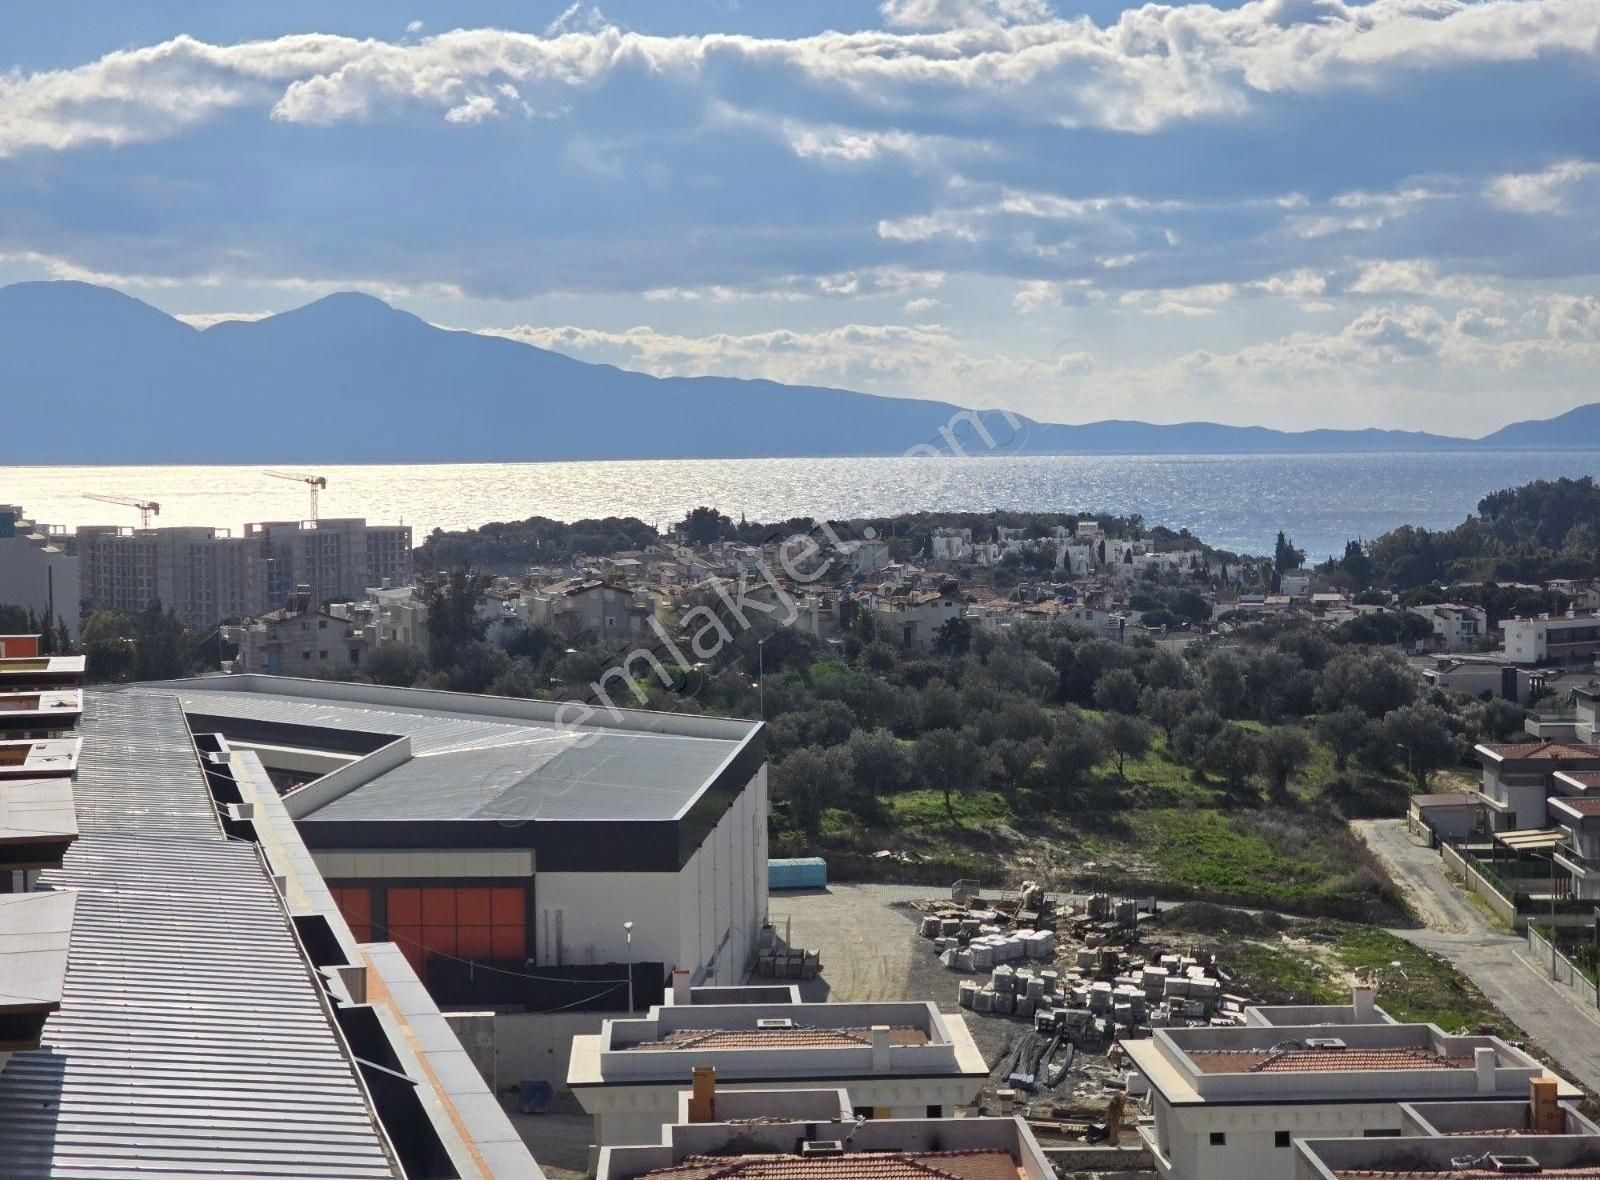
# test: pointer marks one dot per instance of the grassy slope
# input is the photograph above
(1160, 830)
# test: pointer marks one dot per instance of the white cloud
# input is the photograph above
(1574, 317)
(1548, 191)
(1418, 276)
(954, 14)
(205, 319)
(1153, 67)
(414, 27)
(923, 305)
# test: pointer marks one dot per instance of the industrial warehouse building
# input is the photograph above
(485, 832)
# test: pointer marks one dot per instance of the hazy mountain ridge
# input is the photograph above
(109, 379)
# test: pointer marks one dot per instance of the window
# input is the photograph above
(1380, 1133)
(934, 1111)
(323, 654)
(1218, 1139)
(305, 655)
(322, 624)
(1280, 1139)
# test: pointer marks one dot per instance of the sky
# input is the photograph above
(1295, 213)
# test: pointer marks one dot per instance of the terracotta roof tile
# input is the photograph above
(778, 1038)
(1578, 1173)
(1321, 1060)
(856, 1165)
(1543, 751)
(1582, 805)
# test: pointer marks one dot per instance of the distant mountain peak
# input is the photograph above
(349, 378)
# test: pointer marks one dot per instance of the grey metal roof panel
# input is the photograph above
(191, 1038)
(619, 776)
(472, 768)
(138, 770)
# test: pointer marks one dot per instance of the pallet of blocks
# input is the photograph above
(789, 964)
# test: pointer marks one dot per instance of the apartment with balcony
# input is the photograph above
(1572, 638)
(1230, 1102)
(897, 1060)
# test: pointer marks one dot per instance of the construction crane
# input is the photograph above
(147, 508)
(315, 482)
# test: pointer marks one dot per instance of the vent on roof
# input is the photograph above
(1325, 1043)
(1515, 1164)
(822, 1147)
(774, 1022)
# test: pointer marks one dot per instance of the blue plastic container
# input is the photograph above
(801, 872)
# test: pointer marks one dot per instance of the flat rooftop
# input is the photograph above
(1461, 1157)
(475, 757)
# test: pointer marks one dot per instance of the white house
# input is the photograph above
(1456, 626)
(36, 573)
(897, 1060)
(1229, 1103)
(1572, 638)
(813, 1135)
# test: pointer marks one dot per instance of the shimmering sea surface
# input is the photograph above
(1236, 502)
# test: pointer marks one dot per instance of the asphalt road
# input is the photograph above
(1566, 1029)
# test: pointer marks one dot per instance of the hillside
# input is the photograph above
(350, 379)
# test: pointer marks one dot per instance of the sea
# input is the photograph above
(1235, 502)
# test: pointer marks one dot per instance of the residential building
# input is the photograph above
(604, 609)
(1362, 1009)
(1295, 584)
(1519, 778)
(1451, 1157)
(897, 1060)
(302, 640)
(913, 619)
(1230, 1102)
(281, 1047)
(208, 575)
(491, 836)
(36, 571)
(1456, 626)
(1475, 677)
(813, 1135)
(1572, 638)
(950, 544)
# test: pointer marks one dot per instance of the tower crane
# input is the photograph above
(315, 482)
(147, 508)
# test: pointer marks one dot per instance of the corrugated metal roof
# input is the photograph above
(471, 768)
(138, 771)
(191, 1039)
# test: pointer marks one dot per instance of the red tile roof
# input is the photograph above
(1587, 778)
(1580, 803)
(778, 1038)
(1543, 751)
(1320, 1060)
(857, 1165)
(1482, 1173)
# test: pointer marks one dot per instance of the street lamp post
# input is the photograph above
(627, 929)
(761, 676)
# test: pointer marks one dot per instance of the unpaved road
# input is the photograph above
(865, 935)
(1551, 1016)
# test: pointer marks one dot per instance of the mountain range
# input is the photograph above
(97, 376)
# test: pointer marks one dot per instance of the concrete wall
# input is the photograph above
(539, 1044)
(1250, 1136)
